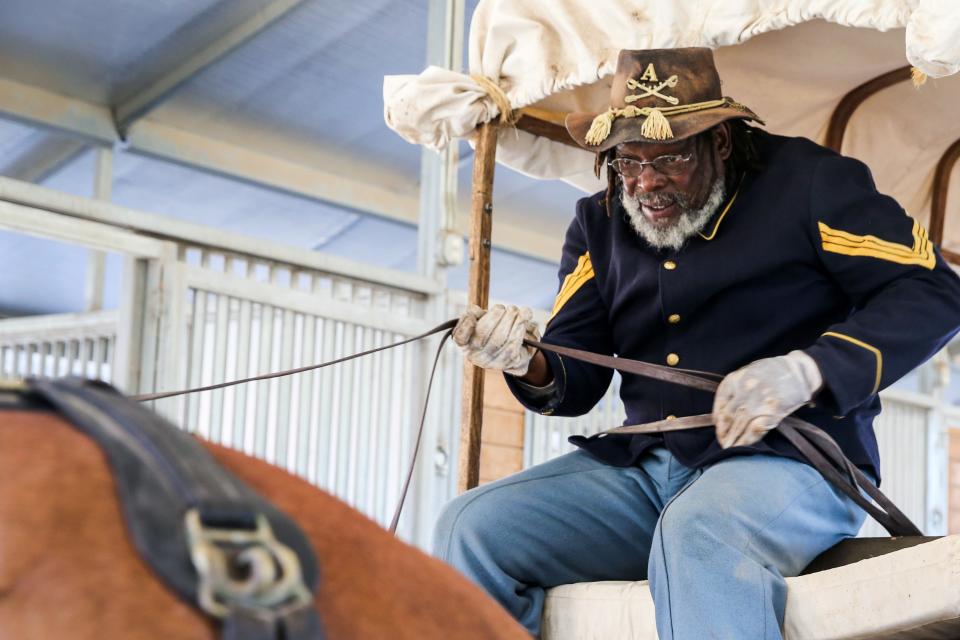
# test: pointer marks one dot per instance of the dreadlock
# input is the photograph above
(602, 160)
(744, 156)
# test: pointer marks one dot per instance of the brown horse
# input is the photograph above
(68, 569)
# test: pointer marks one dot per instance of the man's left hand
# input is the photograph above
(753, 400)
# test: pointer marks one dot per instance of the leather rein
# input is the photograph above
(821, 451)
(814, 444)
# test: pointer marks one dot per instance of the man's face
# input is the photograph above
(664, 198)
(671, 200)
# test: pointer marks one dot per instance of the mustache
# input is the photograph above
(661, 200)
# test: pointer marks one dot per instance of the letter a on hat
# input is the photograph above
(649, 74)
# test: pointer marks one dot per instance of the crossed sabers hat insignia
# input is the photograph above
(650, 90)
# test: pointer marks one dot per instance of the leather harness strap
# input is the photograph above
(820, 450)
(205, 533)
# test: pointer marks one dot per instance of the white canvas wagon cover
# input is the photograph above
(789, 60)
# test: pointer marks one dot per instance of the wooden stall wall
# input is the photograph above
(501, 443)
(954, 482)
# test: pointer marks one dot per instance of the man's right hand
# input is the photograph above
(494, 339)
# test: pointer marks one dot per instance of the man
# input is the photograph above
(721, 248)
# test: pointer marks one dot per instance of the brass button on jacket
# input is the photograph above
(674, 318)
(669, 265)
(673, 359)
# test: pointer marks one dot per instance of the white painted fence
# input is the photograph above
(902, 436)
(349, 427)
(202, 306)
(80, 344)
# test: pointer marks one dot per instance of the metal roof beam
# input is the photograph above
(94, 123)
(273, 171)
(138, 105)
(38, 107)
(45, 158)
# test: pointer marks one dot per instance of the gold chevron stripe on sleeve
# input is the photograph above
(572, 283)
(869, 347)
(849, 244)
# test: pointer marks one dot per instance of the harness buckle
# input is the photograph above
(244, 569)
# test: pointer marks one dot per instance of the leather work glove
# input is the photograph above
(494, 339)
(754, 399)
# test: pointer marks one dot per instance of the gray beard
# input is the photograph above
(689, 223)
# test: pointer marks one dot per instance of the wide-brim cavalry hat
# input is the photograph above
(658, 95)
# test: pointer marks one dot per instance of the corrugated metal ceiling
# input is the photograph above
(315, 76)
(101, 50)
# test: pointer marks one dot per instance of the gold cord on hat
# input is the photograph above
(918, 77)
(655, 127)
(507, 115)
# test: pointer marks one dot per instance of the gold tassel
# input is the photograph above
(600, 128)
(919, 77)
(656, 126)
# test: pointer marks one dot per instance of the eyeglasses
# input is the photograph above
(672, 165)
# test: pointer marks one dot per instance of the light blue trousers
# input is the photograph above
(715, 543)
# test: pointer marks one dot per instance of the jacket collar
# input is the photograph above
(723, 213)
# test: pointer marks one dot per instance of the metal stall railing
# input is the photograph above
(348, 428)
(903, 432)
(200, 305)
(79, 344)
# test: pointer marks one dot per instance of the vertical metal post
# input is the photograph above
(436, 235)
(127, 356)
(150, 328)
(935, 382)
(438, 171)
(96, 261)
(166, 311)
(478, 293)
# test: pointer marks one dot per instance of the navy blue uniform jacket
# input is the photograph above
(806, 254)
